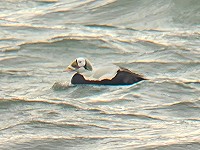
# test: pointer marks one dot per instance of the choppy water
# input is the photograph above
(157, 38)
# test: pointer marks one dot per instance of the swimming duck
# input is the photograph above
(110, 75)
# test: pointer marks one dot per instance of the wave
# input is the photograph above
(131, 116)
(188, 109)
(111, 36)
(177, 145)
(130, 13)
(61, 86)
(18, 100)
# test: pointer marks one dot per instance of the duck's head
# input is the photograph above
(79, 63)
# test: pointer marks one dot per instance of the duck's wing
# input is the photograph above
(133, 73)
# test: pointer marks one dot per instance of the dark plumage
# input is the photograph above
(123, 77)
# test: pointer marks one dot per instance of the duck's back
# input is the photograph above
(107, 72)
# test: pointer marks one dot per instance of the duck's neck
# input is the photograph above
(82, 70)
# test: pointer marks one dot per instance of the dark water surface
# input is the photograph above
(39, 109)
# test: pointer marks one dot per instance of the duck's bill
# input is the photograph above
(69, 69)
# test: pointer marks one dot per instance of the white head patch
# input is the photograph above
(81, 62)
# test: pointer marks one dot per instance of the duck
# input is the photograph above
(107, 75)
